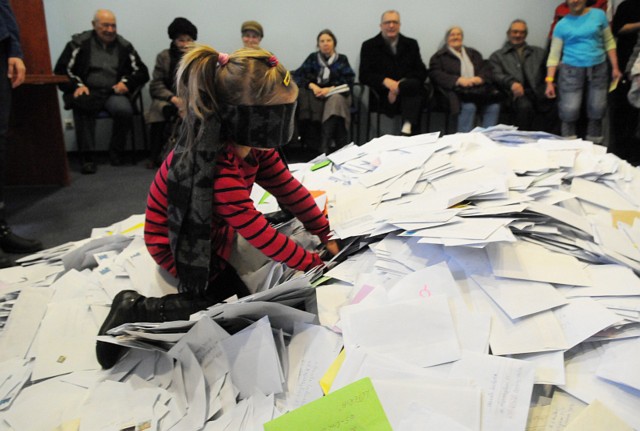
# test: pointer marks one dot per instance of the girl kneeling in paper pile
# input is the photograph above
(239, 109)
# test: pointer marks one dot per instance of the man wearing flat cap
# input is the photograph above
(252, 34)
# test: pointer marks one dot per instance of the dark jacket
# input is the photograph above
(162, 85)
(627, 12)
(340, 72)
(9, 30)
(507, 69)
(378, 62)
(75, 61)
(444, 71)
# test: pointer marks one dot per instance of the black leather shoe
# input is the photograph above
(88, 168)
(12, 243)
(123, 310)
(5, 261)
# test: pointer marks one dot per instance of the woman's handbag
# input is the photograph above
(483, 94)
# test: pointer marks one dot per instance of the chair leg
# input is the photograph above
(145, 138)
(133, 143)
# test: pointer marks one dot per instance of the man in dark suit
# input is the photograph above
(391, 64)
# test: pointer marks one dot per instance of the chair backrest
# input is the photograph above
(439, 102)
(357, 93)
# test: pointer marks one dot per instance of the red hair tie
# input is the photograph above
(223, 58)
(273, 61)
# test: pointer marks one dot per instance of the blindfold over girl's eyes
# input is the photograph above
(260, 126)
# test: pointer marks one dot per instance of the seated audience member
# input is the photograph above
(104, 70)
(582, 40)
(200, 198)
(165, 105)
(321, 73)
(519, 71)
(391, 64)
(252, 34)
(625, 142)
(466, 81)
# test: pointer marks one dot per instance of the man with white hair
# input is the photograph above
(104, 69)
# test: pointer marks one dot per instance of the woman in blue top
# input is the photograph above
(320, 73)
(583, 41)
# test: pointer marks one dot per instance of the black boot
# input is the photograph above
(5, 261)
(341, 134)
(328, 131)
(129, 306)
(12, 243)
(123, 310)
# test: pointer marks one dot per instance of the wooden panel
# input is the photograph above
(36, 152)
(33, 35)
(45, 79)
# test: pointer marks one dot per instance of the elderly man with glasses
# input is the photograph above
(391, 64)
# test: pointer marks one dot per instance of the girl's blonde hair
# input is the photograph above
(249, 77)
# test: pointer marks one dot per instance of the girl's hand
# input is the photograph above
(333, 247)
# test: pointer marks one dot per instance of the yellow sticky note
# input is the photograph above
(624, 216)
(354, 407)
(72, 425)
(327, 380)
(613, 85)
(134, 227)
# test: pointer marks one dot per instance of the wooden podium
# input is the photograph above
(36, 153)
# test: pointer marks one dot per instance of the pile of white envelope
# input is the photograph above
(495, 287)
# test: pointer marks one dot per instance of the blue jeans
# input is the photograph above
(467, 116)
(572, 82)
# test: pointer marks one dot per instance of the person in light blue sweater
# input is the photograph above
(581, 43)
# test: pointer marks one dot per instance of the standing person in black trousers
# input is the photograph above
(624, 117)
(12, 74)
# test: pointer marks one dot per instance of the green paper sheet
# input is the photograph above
(320, 165)
(354, 407)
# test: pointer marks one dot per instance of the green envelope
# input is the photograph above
(354, 407)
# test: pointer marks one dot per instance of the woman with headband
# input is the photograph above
(239, 109)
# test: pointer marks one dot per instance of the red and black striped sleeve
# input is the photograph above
(232, 202)
(156, 225)
(276, 178)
